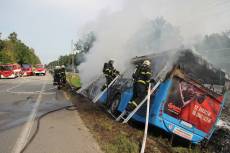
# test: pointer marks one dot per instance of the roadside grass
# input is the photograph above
(73, 79)
(114, 137)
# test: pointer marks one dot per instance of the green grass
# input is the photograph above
(73, 79)
(121, 144)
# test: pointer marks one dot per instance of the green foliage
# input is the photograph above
(73, 79)
(216, 48)
(13, 50)
(214, 41)
(13, 36)
(82, 46)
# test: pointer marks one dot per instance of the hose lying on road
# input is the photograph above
(70, 108)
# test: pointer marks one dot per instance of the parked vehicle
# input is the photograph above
(17, 69)
(182, 105)
(8, 71)
(27, 70)
(39, 69)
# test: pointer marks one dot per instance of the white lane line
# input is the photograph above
(24, 136)
(33, 92)
(16, 86)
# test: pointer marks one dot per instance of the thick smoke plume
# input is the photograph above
(148, 26)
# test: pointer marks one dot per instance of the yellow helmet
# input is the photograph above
(147, 63)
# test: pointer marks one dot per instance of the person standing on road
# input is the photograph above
(63, 74)
(141, 77)
(110, 73)
(56, 74)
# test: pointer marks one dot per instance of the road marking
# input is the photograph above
(19, 84)
(24, 136)
(67, 97)
(29, 92)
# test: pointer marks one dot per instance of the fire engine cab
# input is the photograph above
(39, 69)
(27, 70)
(8, 71)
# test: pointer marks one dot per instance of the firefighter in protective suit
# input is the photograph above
(141, 77)
(110, 73)
(63, 74)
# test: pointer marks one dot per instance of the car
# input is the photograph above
(39, 69)
(8, 71)
(27, 70)
(182, 105)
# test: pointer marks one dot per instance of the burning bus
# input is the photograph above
(187, 103)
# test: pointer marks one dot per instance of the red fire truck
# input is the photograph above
(9, 71)
(27, 70)
(40, 69)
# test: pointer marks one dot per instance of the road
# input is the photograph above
(22, 100)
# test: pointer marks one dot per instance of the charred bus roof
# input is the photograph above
(191, 63)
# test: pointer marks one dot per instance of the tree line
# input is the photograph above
(81, 47)
(13, 50)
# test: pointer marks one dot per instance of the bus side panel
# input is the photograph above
(194, 135)
(103, 98)
(125, 98)
(189, 112)
(155, 106)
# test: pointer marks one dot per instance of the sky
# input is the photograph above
(48, 26)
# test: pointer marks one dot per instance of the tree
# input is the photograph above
(13, 36)
(15, 51)
(86, 42)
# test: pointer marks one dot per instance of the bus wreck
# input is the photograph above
(188, 101)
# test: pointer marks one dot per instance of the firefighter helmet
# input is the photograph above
(57, 67)
(147, 63)
(111, 61)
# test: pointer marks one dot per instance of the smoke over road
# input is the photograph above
(148, 26)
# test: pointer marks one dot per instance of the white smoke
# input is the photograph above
(127, 33)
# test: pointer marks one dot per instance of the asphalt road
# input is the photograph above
(22, 100)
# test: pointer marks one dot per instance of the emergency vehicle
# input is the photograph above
(17, 69)
(185, 104)
(8, 71)
(40, 69)
(27, 70)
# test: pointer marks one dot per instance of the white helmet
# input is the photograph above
(147, 63)
(63, 66)
(111, 61)
(57, 67)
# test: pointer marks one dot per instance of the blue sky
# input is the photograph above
(48, 26)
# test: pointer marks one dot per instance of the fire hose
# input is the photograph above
(70, 108)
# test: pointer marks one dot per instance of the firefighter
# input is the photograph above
(110, 73)
(63, 75)
(141, 80)
(56, 74)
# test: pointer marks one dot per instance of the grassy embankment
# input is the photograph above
(74, 80)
